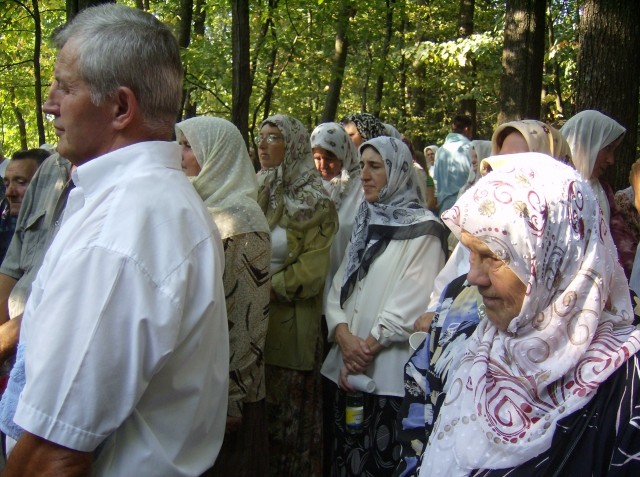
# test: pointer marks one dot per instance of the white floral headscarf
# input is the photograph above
(573, 331)
(226, 183)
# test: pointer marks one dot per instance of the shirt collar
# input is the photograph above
(109, 169)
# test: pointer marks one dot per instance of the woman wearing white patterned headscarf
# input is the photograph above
(216, 158)
(396, 249)
(531, 367)
(331, 143)
(526, 135)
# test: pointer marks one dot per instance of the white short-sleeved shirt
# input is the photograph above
(125, 329)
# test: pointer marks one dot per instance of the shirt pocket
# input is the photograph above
(33, 239)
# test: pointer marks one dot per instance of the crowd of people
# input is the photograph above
(353, 308)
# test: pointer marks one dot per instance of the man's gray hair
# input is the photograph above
(121, 46)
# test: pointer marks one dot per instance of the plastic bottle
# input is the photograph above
(354, 413)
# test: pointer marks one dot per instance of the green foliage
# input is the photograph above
(16, 69)
(425, 69)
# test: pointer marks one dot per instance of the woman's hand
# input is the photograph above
(356, 354)
(343, 383)
(423, 323)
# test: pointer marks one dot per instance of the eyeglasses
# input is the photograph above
(270, 138)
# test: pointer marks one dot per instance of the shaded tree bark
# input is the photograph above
(377, 102)
(241, 84)
(609, 72)
(468, 104)
(553, 71)
(188, 109)
(184, 27)
(265, 30)
(22, 125)
(345, 13)
(75, 6)
(37, 43)
(522, 60)
(199, 16)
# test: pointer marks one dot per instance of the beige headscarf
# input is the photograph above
(227, 183)
(540, 137)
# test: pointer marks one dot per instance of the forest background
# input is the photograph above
(413, 63)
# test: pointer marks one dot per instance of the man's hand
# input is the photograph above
(634, 180)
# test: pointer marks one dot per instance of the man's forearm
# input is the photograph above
(6, 286)
(33, 455)
(9, 335)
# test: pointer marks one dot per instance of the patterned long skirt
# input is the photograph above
(375, 452)
(244, 452)
(294, 419)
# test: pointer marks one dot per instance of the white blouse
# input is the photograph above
(385, 304)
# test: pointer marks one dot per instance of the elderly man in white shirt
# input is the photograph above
(124, 335)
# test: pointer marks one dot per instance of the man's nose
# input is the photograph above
(49, 107)
(10, 189)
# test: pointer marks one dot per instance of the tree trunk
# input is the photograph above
(22, 125)
(75, 6)
(552, 71)
(332, 100)
(199, 16)
(261, 41)
(188, 109)
(377, 102)
(37, 73)
(609, 72)
(468, 105)
(522, 60)
(241, 85)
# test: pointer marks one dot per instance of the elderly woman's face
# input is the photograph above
(501, 289)
(190, 165)
(354, 134)
(373, 174)
(271, 146)
(327, 163)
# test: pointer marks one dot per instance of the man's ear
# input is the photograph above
(125, 107)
